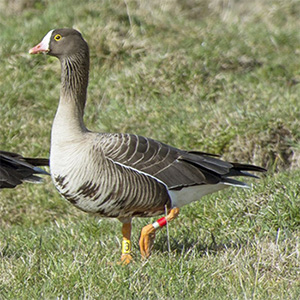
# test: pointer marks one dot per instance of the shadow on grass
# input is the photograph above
(186, 245)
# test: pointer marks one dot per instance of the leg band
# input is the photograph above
(160, 223)
(126, 246)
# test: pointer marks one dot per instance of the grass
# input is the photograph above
(217, 76)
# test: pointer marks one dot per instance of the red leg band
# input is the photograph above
(160, 223)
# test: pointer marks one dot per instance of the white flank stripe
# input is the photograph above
(138, 171)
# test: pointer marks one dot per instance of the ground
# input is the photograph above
(216, 76)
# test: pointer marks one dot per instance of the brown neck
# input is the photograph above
(68, 122)
(74, 79)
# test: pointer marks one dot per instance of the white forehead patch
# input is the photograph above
(46, 40)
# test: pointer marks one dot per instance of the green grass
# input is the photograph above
(217, 76)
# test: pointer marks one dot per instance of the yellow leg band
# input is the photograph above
(126, 246)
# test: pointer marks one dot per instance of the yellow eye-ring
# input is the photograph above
(57, 37)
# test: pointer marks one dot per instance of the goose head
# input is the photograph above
(63, 42)
(72, 50)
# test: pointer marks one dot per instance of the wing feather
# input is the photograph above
(174, 167)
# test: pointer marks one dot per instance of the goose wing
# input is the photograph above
(175, 168)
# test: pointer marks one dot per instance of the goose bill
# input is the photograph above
(43, 46)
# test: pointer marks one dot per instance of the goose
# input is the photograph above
(121, 175)
(15, 169)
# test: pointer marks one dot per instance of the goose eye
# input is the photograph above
(57, 37)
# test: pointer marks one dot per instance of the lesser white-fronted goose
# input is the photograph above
(15, 169)
(122, 175)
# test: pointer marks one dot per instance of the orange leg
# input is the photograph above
(148, 232)
(126, 257)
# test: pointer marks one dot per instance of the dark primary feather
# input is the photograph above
(14, 169)
(174, 167)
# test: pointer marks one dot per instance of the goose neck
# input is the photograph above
(74, 79)
(68, 121)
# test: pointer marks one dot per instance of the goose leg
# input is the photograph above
(148, 232)
(126, 257)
